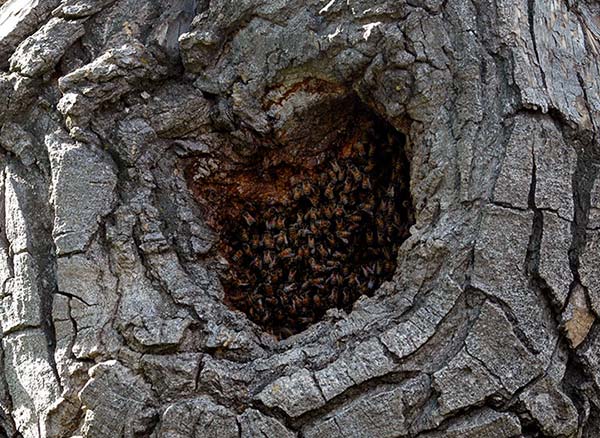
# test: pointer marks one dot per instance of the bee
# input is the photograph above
(306, 188)
(297, 192)
(257, 263)
(386, 253)
(281, 239)
(370, 166)
(270, 224)
(236, 257)
(305, 320)
(255, 241)
(367, 271)
(293, 233)
(311, 242)
(286, 253)
(315, 266)
(244, 235)
(248, 218)
(368, 204)
(268, 258)
(356, 174)
(314, 200)
(348, 187)
(334, 296)
(322, 251)
(334, 279)
(303, 252)
(369, 237)
(288, 289)
(359, 148)
(311, 214)
(337, 169)
(247, 250)
(343, 235)
(268, 241)
(317, 301)
(323, 178)
(328, 212)
(355, 218)
(366, 184)
(329, 193)
(274, 276)
(237, 296)
(280, 223)
(269, 291)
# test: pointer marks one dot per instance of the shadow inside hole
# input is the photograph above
(304, 234)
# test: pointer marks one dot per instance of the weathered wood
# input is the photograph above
(112, 314)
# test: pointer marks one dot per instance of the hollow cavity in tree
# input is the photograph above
(306, 228)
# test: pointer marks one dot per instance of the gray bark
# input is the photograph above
(112, 315)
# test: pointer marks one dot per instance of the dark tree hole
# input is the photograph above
(306, 229)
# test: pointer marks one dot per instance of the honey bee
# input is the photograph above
(322, 251)
(336, 168)
(327, 212)
(317, 301)
(329, 193)
(311, 214)
(389, 266)
(297, 192)
(237, 256)
(270, 224)
(286, 253)
(290, 288)
(355, 217)
(268, 241)
(366, 184)
(281, 239)
(255, 241)
(303, 251)
(248, 218)
(268, 258)
(269, 291)
(370, 166)
(291, 277)
(280, 223)
(257, 263)
(306, 188)
(359, 148)
(356, 174)
(343, 235)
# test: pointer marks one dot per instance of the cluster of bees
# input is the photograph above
(332, 238)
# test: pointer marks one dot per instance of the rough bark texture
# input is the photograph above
(112, 314)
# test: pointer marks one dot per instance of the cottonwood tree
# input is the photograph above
(131, 133)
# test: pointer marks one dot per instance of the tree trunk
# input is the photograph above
(118, 119)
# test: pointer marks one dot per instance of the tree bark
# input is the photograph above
(112, 312)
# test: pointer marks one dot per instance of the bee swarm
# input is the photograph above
(324, 236)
